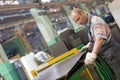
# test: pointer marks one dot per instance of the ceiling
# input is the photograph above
(12, 13)
(22, 10)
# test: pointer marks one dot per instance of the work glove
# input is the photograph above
(89, 59)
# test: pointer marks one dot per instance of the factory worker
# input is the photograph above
(100, 40)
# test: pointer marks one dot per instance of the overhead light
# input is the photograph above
(8, 2)
(1, 18)
(56, 20)
(52, 10)
(46, 1)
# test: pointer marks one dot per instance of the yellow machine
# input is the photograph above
(53, 61)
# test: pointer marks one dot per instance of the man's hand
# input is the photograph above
(84, 48)
(90, 58)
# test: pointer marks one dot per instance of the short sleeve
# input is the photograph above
(98, 28)
(100, 31)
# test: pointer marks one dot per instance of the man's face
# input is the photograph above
(79, 18)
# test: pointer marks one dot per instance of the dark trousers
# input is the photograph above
(110, 53)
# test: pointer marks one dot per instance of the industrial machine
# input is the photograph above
(72, 68)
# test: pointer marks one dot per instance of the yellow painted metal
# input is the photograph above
(34, 74)
(86, 73)
(67, 54)
(54, 60)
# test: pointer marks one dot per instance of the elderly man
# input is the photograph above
(100, 40)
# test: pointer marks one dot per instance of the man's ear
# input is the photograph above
(74, 8)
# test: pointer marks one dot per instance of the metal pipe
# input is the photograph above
(3, 26)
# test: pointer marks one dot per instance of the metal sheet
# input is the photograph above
(59, 69)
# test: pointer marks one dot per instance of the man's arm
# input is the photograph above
(97, 45)
(99, 37)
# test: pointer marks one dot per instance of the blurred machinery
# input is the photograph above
(11, 36)
(20, 35)
(66, 58)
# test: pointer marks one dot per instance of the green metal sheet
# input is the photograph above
(8, 72)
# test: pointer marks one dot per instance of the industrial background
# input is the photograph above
(31, 26)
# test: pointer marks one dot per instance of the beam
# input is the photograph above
(7, 25)
(40, 5)
(18, 7)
